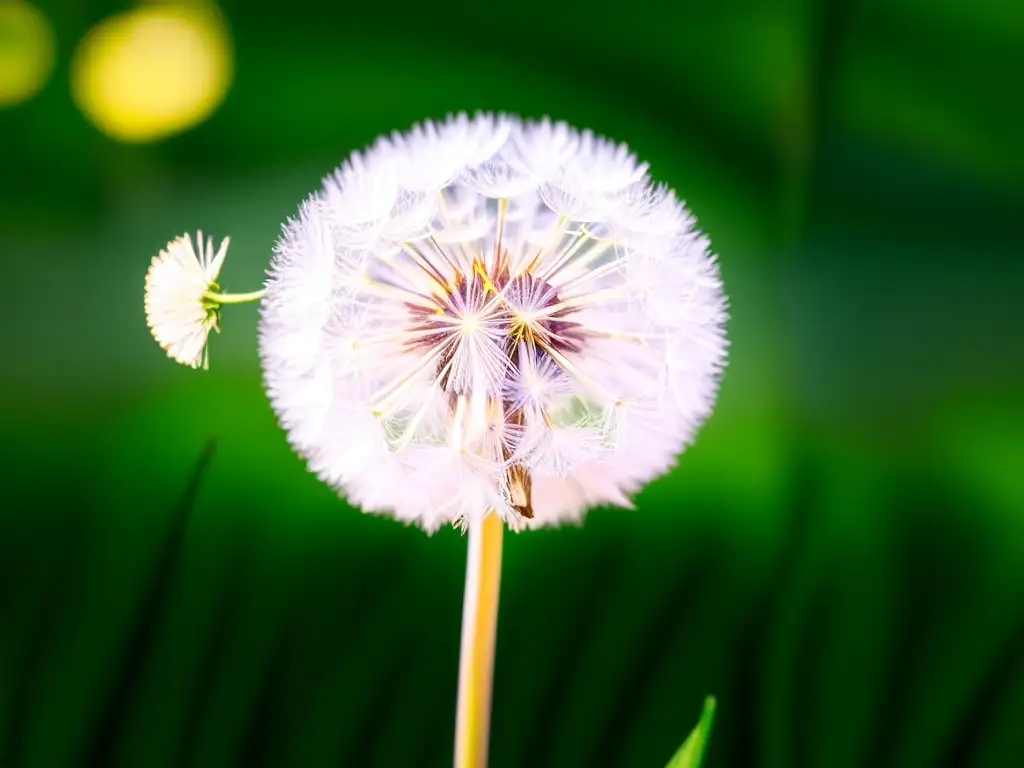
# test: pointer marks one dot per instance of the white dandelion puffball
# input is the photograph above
(490, 314)
(179, 312)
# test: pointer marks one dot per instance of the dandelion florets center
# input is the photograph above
(482, 320)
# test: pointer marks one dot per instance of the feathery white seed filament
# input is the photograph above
(179, 311)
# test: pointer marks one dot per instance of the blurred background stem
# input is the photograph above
(476, 658)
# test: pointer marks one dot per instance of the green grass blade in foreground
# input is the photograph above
(691, 753)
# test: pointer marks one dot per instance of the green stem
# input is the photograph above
(234, 298)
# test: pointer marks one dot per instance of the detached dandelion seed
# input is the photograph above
(182, 298)
(488, 321)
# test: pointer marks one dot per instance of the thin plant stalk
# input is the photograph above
(476, 659)
(234, 298)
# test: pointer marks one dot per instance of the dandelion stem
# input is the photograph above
(479, 622)
(234, 298)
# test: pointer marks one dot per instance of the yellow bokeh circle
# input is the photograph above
(27, 51)
(154, 71)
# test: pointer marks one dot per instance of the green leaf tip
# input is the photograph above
(691, 754)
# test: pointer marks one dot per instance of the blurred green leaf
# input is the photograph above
(691, 753)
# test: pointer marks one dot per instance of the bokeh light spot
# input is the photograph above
(27, 49)
(153, 71)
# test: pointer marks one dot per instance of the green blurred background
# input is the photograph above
(839, 558)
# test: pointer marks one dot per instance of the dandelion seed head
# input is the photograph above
(489, 314)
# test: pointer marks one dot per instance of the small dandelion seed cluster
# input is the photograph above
(179, 310)
(490, 314)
